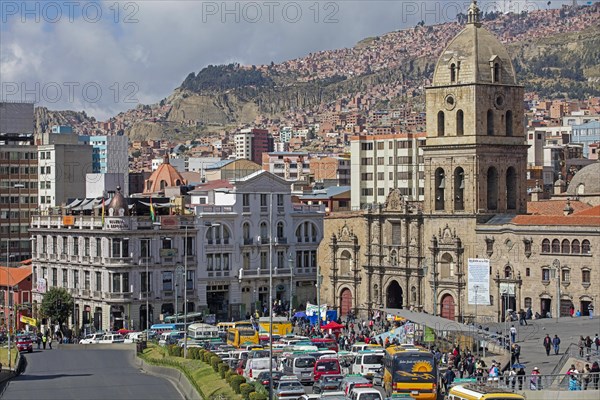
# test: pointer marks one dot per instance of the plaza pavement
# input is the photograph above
(530, 339)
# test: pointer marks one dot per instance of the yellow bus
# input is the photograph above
(481, 392)
(410, 371)
(241, 332)
(281, 325)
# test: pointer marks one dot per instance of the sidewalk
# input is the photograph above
(530, 338)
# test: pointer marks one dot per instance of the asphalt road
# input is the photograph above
(65, 374)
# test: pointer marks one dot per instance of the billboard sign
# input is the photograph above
(479, 281)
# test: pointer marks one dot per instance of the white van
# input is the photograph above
(367, 362)
(112, 338)
(359, 346)
(300, 365)
(167, 338)
(255, 366)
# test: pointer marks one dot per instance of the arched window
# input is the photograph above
(565, 247)
(496, 77)
(492, 188)
(163, 183)
(527, 302)
(264, 232)
(459, 186)
(490, 122)
(440, 186)
(306, 232)
(280, 230)
(527, 271)
(452, 73)
(440, 124)
(546, 246)
(460, 123)
(413, 294)
(177, 182)
(511, 189)
(585, 247)
(575, 248)
(556, 246)
(246, 232)
(447, 266)
(508, 272)
(509, 123)
(345, 262)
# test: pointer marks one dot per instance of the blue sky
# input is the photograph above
(108, 56)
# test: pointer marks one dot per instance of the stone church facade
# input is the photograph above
(414, 254)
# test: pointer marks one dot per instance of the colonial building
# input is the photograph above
(403, 254)
(114, 265)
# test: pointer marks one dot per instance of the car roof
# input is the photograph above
(365, 390)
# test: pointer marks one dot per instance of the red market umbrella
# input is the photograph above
(333, 325)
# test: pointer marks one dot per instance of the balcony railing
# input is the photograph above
(117, 260)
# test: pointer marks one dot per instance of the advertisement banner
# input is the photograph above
(312, 309)
(26, 320)
(478, 288)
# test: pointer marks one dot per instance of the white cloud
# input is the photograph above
(155, 44)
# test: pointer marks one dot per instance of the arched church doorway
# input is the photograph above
(345, 302)
(447, 307)
(394, 296)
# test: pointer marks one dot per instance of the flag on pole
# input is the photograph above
(152, 214)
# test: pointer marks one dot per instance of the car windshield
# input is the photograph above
(373, 359)
(307, 362)
(260, 364)
(332, 379)
(327, 366)
(290, 385)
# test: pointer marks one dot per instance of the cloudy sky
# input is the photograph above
(106, 56)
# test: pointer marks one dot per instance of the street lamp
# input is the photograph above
(505, 298)
(291, 264)
(179, 270)
(318, 285)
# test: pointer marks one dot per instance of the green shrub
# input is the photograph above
(228, 375)
(214, 363)
(236, 381)
(171, 349)
(193, 353)
(245, 390)
(201, 354)
(258, 396)
(223, 368)
(207, 357)
(177, 351)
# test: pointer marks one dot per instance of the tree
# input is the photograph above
(57, 305)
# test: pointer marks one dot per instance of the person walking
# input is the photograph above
(44, 339)
(597, 342)
(588, 345)
(591, 311)
(595, 370)
(522, 317)
(448, 379)
(535, 379)
(556, 344)
(50, 342)
(586, 376)
(521, 377)
(547, 344)
(38, 339)
(513, 334)
(581, 345)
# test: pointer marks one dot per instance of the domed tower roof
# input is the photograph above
(164, 176)
(118, 206)
(586, 181)
(474, 56)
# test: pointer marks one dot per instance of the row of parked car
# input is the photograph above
(111, 338)
(325, 370)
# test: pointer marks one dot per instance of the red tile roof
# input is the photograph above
(592, 212)
(554, 207)
(16, 275)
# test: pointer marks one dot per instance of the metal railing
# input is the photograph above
(554, 382)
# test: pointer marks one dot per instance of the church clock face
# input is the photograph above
(450, 102)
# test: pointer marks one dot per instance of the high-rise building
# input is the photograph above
(381, 163)
(110, 155)
(252, 143)
(18, 180)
